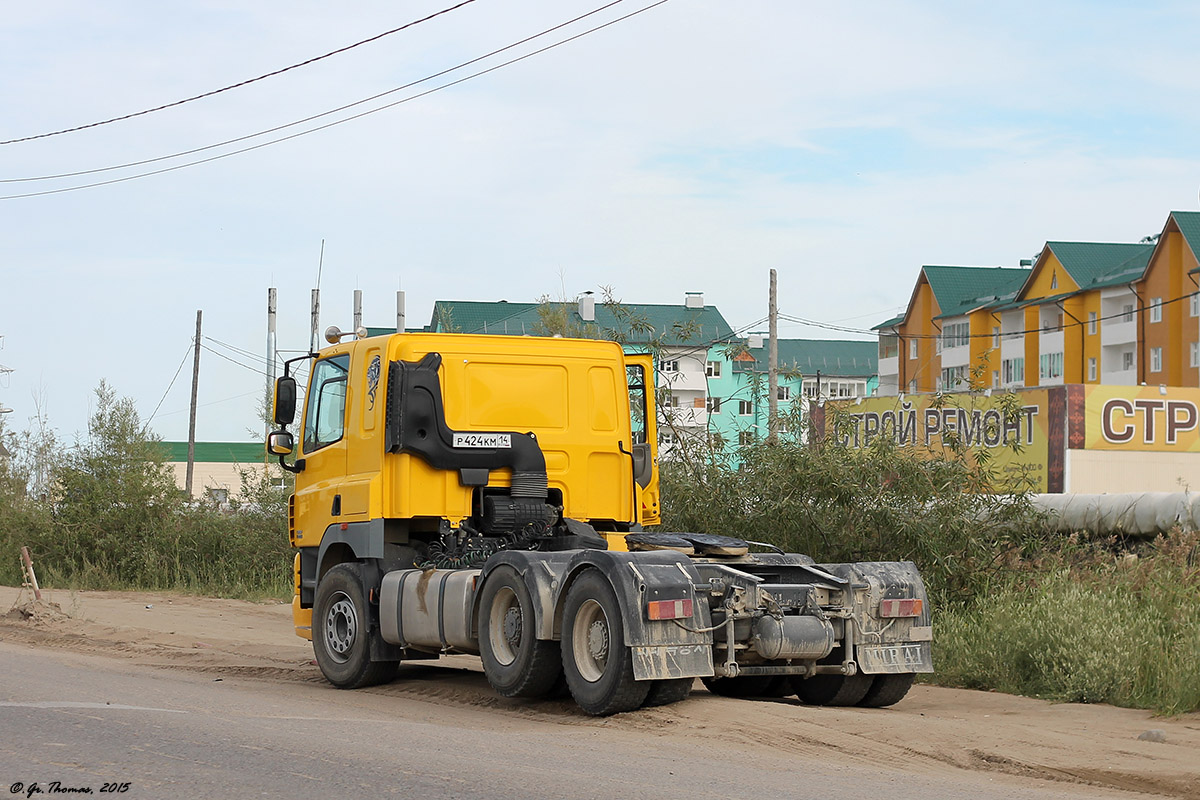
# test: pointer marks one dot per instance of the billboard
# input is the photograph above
(1031, 431)
(1142, 418)
(1021, 437)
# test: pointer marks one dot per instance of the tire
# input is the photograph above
(515, 661)
(342, 631)
(887, 690)
(741, 686)
(833, 690)
(598, 665)
(665, 692)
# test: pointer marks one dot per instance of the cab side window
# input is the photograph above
(325, 417)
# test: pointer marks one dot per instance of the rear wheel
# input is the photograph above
(665, 692)
(887, 690)
(741, 686)
(833, 690)
(598, 665)
(516, 662)
(342, 631)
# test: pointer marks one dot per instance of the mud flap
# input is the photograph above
(895, 658)
(663, 662)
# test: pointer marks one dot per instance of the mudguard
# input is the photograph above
(887, 645)
(662, 649)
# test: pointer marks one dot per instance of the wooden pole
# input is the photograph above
(191, 461)
(37, 593)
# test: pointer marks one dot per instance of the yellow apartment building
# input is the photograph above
(1083, 313)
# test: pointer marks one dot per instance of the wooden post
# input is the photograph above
(27, 562)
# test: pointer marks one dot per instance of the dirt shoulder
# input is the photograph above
(932, 731)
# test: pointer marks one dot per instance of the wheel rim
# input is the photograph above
(590, 640)
(505, 626)
(341, 627)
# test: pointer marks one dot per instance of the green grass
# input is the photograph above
(1119, 629)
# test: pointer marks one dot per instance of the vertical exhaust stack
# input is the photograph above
(400, 312)
(587, 307)
(316, 319)
(271, 305)
(357, 310)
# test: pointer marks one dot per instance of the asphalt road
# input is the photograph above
(90, 722)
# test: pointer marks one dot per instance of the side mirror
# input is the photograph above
(280, 443)
(285, 402)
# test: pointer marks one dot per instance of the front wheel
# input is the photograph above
(598, 665)
(341, 632)
(515, 661)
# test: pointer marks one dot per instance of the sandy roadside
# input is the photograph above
(933, 730)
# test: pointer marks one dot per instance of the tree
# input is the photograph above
(114, 491)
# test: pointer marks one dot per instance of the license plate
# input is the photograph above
(483, 440)
(909, 657)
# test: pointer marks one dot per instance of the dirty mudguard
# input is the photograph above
(887, 645)
(661, 649)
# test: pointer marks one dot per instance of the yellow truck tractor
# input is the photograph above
(488, 495)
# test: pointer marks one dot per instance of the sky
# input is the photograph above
(692, 147)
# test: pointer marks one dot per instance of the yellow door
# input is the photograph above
(643, 419)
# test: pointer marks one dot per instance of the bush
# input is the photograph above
(1092, 628)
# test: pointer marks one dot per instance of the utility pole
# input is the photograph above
(191, 462)
(773, 367)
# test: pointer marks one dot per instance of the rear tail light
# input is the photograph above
(669, 609)
(901, 607)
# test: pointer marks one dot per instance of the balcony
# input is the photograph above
(889, 366)
(1116, 331)
(1122, 377)
(1050, 342)
(689, 417)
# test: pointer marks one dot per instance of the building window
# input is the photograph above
(1195, 354)
(912, 386)
(957, 334)
(1156, 359)
(713, 369)
(953, 378)
(1091, 369)
(1156, 309)
(1092, 323)
(713, 404)
(1054, 280)
(912, 348)
(745, 438)
(745, 408)
(783, 393)
(1127, 360)
(1194, 305)
(995, 336)
(1127, 312)
(668, 365)
(995, 379)
(1050, 365)
(1014, 371)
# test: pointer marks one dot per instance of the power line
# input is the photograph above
(182, 361)
(240, 84)
(324, 114)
